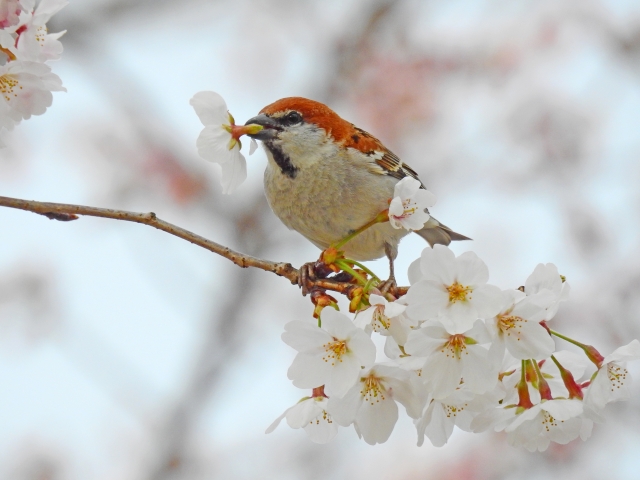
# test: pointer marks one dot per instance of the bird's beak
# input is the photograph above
(270, 127)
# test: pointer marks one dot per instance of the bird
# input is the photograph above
(326, 177)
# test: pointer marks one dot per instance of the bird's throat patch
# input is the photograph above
(282, 159)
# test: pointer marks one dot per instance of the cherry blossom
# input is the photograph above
(370, 405)
(458, 409)
(611, 381)
(452, 290)
(559, 421)
(517, 327)
(408, 206)
(385, 318)
(26, 90)
(546, 277)
(26, 82)
(332, 355)
(311, 414)
(34, 43)
(452, 358)
(219, 140)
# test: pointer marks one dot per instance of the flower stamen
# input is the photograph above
(372, 389)
(334, 351)
(458, 293)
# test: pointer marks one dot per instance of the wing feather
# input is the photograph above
(387, 163)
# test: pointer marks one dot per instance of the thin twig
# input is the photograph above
(66, 212)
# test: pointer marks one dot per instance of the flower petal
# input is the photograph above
(253, 146)
(210, 108)
(625, 353)
(470, 270)
(438, 264)
(233, 172)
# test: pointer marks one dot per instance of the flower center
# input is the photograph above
(372, 389)
(454, 410)
(323, 417)
(334, 351)
(617, 375)
(509, 324)
(455, 346)
(409, 208)
(8, 83)
(458, 293)
(41, 34)
(548, 422)
(380, 320)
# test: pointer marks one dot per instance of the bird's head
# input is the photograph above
(298, 131)
(293, 116)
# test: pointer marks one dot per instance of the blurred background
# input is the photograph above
(128, 354)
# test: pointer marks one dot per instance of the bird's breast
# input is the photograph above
(328, 199)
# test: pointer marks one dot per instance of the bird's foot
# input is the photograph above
(388, 286)
(309, 273)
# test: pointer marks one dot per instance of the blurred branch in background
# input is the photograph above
(221, 346)
(29, 300)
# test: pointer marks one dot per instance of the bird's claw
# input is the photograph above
(309, 273)
(388, 286)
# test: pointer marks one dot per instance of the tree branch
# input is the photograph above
(68, 212)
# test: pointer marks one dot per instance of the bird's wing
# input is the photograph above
(385, 162)
(381, 160)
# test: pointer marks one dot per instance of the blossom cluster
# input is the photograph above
(26, 81)
(460, 352)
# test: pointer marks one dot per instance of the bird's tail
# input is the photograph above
(436, 233)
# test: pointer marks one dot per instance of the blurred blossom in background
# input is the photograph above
(126, 353)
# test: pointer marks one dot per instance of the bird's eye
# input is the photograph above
(292, 118)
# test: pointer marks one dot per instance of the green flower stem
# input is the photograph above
(590, 351)
(570, 340)
(345, 266)
(373, 275)
(380, 218)
(368, 286)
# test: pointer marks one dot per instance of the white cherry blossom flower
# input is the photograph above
(458, 409)
(370, 405)
(26, 90)
(385, 318)
(34, 43)
(546, 277)
(218, 142)
(453, 358)
(407, 208)
(517, 328)
(558, 421)
(452, 290)
(311, 414)
(611, 382)
(332, 355)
